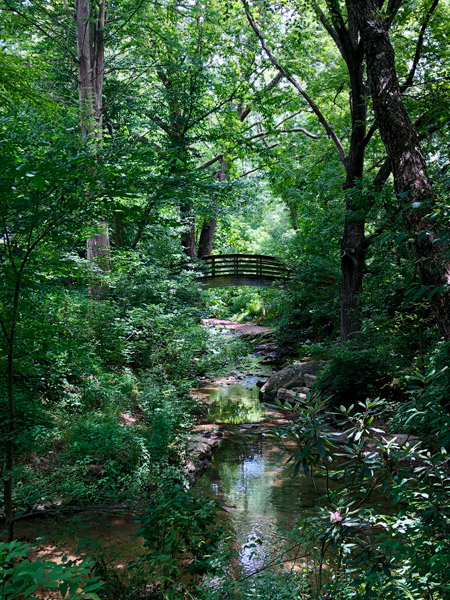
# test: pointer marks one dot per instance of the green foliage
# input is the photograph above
(181, 538)
(310, 308)
(24, 577)
(354, 374)
(425, 410)
(100, 389)
(381, 528)
(244, 304)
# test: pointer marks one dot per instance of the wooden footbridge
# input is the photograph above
(227, 270)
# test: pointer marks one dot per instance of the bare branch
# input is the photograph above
(127, 20)
(273, 162)
(298, 112)
(275, 132)
(213, 110)
(210, 162)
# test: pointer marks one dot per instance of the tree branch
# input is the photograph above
(323, 19)
(417, 55)
(274, 132)
(273, 162)
(369, 134)
(330, 131)
(42, 30)
(210, 162)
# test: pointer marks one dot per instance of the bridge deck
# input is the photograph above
(226, 270)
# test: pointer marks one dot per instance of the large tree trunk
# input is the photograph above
(206, 240)
(408, 163)
(90, 25)
(353, 242)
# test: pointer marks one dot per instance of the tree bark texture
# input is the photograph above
(353, 241)
(206, 240)
(90, 25)
(411, 182)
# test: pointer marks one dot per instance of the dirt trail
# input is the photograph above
(238, 328)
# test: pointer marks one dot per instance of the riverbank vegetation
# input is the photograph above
(136, 138)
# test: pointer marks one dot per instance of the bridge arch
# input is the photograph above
(228, 270)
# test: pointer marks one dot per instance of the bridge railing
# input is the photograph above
(257, 265)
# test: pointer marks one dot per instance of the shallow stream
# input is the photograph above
(250, 477)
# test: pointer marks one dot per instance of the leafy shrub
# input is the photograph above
(381, 528)
(352, 375)
(21, 577)
(310, 308)
(102, 458)
(181, 538)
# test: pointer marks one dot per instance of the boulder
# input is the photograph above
(310, 379)
(289, 378)
(301, 390)
(290, 395)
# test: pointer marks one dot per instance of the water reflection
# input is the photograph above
(250, 476)
(237, 403)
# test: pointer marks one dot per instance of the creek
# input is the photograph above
(249, 474)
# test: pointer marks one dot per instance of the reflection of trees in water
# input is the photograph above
(235, 404)
(251, 475)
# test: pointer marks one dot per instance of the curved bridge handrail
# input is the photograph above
(273, 258)
(243, 269)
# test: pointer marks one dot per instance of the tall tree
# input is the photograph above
(429, 242)
(342, 27)
(90, 32)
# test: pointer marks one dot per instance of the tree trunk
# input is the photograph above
(353, 242)
(119, 232)
(207, 237)
(209, 225)
(98, 251)
(91, 68)
(408, 163)
(353, 254)
(293, 215)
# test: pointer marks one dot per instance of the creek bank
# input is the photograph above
(291, 383)
(238, 403)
